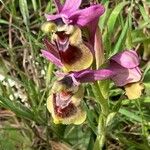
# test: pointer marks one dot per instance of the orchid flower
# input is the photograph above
(125, 66)
(70, 13)
(66, 39)
(64, 105)
(70, 53)
(64, 102)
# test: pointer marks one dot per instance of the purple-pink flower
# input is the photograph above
(67, 47)
(123, 69)
(71, 14)
(125, 66)
(64, 105)
(74, 58)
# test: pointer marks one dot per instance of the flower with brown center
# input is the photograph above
(69, 51)
(64, 102)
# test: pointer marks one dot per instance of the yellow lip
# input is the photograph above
(83, 62)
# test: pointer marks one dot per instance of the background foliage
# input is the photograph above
(26, 78)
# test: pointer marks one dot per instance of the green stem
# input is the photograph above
(101, 136)
(100, 99)
(49, 74)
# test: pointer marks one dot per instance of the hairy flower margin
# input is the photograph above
(74, 54)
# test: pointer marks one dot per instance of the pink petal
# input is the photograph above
(51, 48)
(92, 75)
(85, 16)
(71, 6)
(98, 48)
(52, 17)
(57, 16)
(123, 75)
(52, 58)
(58, 5)
(92, 27)
(127, 59)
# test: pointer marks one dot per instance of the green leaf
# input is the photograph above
(34, 3)
(121, 39)
(2, 21)
(24, 11)
(104, 17)
(144, 14)
(110, 118)
(130, 115)
(114, 15)
(14, 140)
(48, 7)
(90, 117)
(49, 74)
(16, 107)
(134, 145)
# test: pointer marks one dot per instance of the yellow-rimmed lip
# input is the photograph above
(69, 115)
(77, 58)
(72, 113)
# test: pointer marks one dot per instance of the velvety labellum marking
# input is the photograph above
(71, 55)
(65, 112)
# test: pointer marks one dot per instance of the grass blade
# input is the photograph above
(24, 11)
(114, 15)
